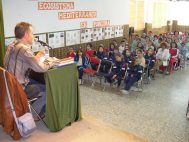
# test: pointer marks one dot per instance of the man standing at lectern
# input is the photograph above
(20, 58)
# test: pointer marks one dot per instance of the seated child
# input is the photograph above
(140, 57)
(150, 61)
(71, 53)
(134, 71)
(118, 70)
(182, 52)
(111, 49)
(82, 63)
(174, 52)
(89, 52)
(121, 48)
(162, 57)
(112, 55)
(127, 56)
(100, 53)
(140, 46)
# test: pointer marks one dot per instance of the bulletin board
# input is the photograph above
(108, 32)
(97, 34)
(72, 37)
(36, 46)
(118, 31)
(56, 39)
(86, 35)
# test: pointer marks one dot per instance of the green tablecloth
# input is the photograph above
(63, 100)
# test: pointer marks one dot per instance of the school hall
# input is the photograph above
(94, 71)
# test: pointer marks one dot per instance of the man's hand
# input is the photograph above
(9, 47)
(40, 54)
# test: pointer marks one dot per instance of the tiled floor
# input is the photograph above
(158, 113)
(87, 130)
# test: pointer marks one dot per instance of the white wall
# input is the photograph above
(179, 11)
(14, 11)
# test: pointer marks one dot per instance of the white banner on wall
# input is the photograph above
(60, 15)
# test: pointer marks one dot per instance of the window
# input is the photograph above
(136, 16)
(160, 14)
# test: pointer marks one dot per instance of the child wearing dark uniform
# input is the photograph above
(127, 56)
(118, 70)
(112, 56)
(150, 61)
(134, 74)
(100, 53)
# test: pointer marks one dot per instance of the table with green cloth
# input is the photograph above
(63, 99)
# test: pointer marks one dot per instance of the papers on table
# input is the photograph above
(60, 62)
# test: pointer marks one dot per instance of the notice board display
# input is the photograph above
(72, 37)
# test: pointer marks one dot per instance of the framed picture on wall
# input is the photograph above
(118, 31)
(56, 39)
(108, 32)
(72, 37)
(36, 46)
(97, 34)
(87, 35)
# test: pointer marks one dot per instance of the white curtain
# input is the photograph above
(157, 12)
(136, 14)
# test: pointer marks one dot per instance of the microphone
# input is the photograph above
(42, 43)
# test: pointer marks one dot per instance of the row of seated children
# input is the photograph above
(150, 56)
(168, 57)
(120, 61)
(129, 71)
(175, 49)
(169, 54)
(126, 67)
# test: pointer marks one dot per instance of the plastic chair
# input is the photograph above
(90, 71)
(94, 62)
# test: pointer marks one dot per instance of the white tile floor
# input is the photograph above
(158, 113)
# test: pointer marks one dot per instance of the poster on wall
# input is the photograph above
(36, 46)
(56, 39)
(97, 34)
(86, 35)
(108, 32)
(118, 31)
(72, 37)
